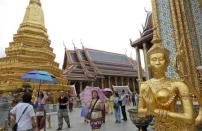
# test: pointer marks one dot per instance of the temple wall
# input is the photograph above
(178, 23)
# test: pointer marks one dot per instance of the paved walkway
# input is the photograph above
(78, 124)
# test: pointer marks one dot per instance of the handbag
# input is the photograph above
(15, 127)
(88, 116)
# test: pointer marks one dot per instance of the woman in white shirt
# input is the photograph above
(27, 122)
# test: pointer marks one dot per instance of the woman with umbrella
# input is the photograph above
(40, 109)
(95, 109)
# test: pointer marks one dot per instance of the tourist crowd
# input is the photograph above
(30, 109)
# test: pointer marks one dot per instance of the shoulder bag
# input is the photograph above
(88, 116)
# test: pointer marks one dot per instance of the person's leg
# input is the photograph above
(48, 117)
(60, 120)
(103, 115)
(115, 114)
(124, 113)
(119, 115)
(66, 117)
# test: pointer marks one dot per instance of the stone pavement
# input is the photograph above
(78, 124)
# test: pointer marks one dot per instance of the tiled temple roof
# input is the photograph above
(147, 33)
(86, 64)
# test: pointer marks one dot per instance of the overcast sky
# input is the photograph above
(100, 24)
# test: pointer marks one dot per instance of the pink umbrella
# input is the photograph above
(86, 95)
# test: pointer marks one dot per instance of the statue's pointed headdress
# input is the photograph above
(157, 48)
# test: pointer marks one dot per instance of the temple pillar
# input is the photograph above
(133, 82)
(102, 82)
(145, 61)
(80, 86)
(109, 82)
(139, 68)
(128, 81)
(116, 81)
(122, 81)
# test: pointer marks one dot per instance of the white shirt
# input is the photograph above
(123, 99)
(25, 123)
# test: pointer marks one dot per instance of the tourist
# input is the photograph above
(96, 107)
(40, 109)
(62, 112)
(159, 96)
(117, 108)
(133, 98)
(26, 121)
(111, 104)
(70, 103)
(128, 100)
(84, 112)
(123, 105)
(48, 105)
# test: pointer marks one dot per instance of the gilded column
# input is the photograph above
(145, 60)
(156, 26)
(139, 68)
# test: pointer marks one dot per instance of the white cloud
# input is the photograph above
(101, 24)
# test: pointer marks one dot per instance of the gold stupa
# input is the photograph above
(30, 50)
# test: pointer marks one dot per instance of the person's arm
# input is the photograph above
(45, 97)
(89, 107)
(13, 111)
(33, 117)
(34, 123)
(188, 114)
(101, 105)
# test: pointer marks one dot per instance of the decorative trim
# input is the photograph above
(197, 17)
(167, 34)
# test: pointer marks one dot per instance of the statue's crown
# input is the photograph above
(157, 48)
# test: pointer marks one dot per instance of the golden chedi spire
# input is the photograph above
(34, 13)
(29, 50)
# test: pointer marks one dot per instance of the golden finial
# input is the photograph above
(35, 1)
(34, 13)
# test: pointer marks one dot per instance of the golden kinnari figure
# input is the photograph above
(159, 96)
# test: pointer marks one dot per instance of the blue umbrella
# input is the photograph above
(40, 77)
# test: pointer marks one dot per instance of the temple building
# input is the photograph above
(30, 50)
(144, 43)
(103, 69)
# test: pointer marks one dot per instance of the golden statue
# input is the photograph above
(160, 95)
